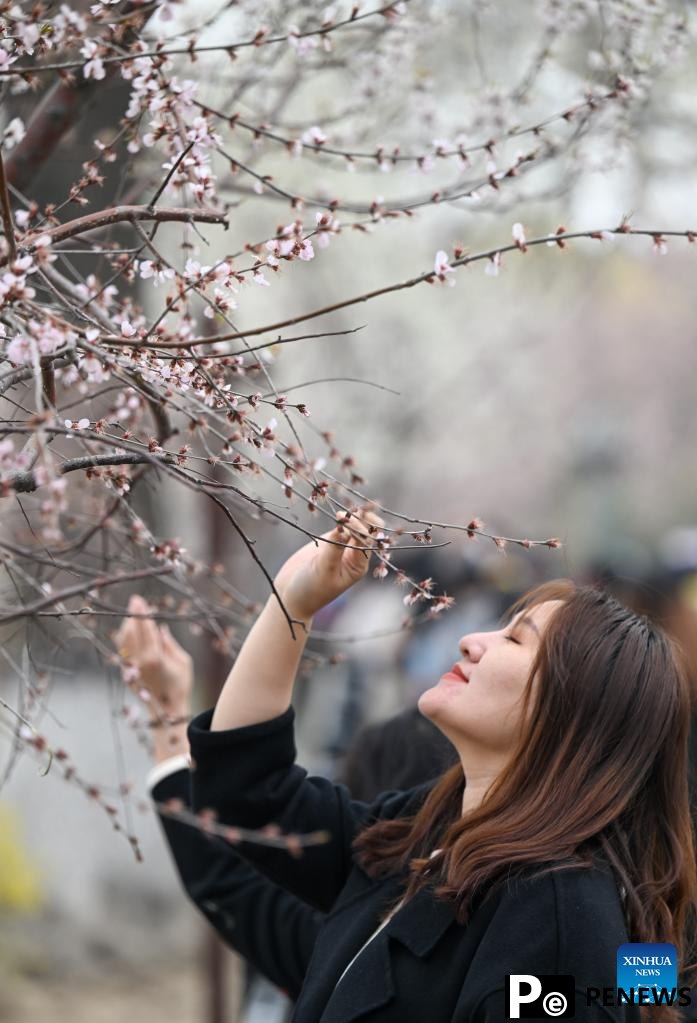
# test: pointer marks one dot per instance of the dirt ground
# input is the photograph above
(173, 995)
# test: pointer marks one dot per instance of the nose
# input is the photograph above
(471, 646)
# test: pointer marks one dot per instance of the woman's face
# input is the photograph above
(484, 712)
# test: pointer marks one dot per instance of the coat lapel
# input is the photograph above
(422, 922)
(369, 984)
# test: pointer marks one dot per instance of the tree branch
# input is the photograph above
(73, 591)
(26, 483)
(121, 214)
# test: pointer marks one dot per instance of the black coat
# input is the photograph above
(274, 930)
(423, 966)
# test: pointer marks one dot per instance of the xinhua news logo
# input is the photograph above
(646, 972)
(529, 996)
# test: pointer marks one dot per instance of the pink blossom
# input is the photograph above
(42, 254)
(442, 268)
(13, 286)
(302, 46)
(149, 269)
(193, 269)
(222, 272)
(314, 136)
(201, 132)
(81, 424)
(94, 68)
(28, 32)
(327, 225)
(222, 302)
(24, 264)
(279, 248)
(440, 604)
(492, 267)
(518, 232)
(5, 59)
(93, 369)
(185, 91)
(14, 132)
(306, 251)
(127, 329)
(19, 351)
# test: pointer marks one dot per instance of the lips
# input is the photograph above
(457, 672)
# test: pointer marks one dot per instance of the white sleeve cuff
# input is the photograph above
(166, 767)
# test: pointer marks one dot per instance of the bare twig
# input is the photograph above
(73, 591)
(124, 214)
(193, 51)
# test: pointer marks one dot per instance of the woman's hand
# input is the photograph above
(319, 572)
(165, 668)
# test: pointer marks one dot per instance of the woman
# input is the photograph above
(562, 833)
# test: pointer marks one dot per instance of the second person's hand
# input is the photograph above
(164, 667)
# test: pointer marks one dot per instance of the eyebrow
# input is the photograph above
(524, 620)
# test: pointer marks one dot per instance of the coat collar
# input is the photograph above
(422, 922)
(369, 984)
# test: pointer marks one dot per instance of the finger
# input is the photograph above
(357, 553)
(124, 637)
(371, 519)
(170, 645)
(146, 638)
(332, 553)
(151, 643)
(364, 525)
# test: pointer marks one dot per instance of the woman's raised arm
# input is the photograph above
(260, 684)
(243, 754)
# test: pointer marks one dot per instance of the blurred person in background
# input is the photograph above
(271, 929)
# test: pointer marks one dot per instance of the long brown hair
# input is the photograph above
(601, 766)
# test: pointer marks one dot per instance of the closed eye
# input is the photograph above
(512, 639)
